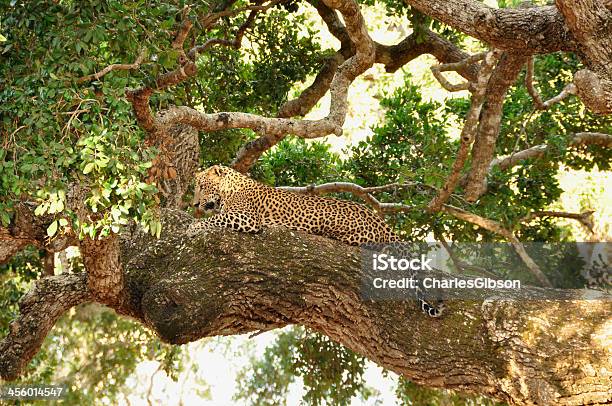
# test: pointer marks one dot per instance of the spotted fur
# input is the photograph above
(246, 205)
(243, 204)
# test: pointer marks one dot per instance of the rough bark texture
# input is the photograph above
(523, 351)
(590, 21)
(483, 152)
(104, 269)
(533, 30)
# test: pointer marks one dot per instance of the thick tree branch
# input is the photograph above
(428, 42)
(483, 151)
(104, 271)
(28, 229)
(469, 130)
(250, 152)
(365, 193)
(411, 47)
(274, 129)
(532, 30)
(393, 57)
(224, 283)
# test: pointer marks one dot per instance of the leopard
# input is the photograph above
(245, 205)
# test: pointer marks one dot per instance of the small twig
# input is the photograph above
(115, 66)
(568, 90)
(207, 21)
(537, 99)
(236, 43)
(186, 25)
(460, 264)
(455, 66)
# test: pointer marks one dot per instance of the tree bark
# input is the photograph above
(590, 21)
(533, 30)
(223, 283)
(489, 126)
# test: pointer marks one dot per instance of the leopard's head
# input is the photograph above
(209, 187)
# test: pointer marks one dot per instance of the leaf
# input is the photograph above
(40, 210)
(52, 229)
(63, 222)
(88, 168)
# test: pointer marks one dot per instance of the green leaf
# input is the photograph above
(52, 229)
(88, 168)
(40, 210)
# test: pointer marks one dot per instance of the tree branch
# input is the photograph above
(512, 350)
(589, 22)
(506, 162)
(39, 310)
(497, 228)
(585, 218)
(251, 151)
(483, 151)
(537, 99)
(116, 66)
(455, 66)
(428, 42)
(532, 30)
(276, 128)
(104, 271)
(393, 57)
(365, 193)
(469, 130)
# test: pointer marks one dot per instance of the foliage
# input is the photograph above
(296, 162)
(330, 373)
(411, 394)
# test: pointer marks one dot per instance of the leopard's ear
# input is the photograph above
(215, 171)
(220, 170)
